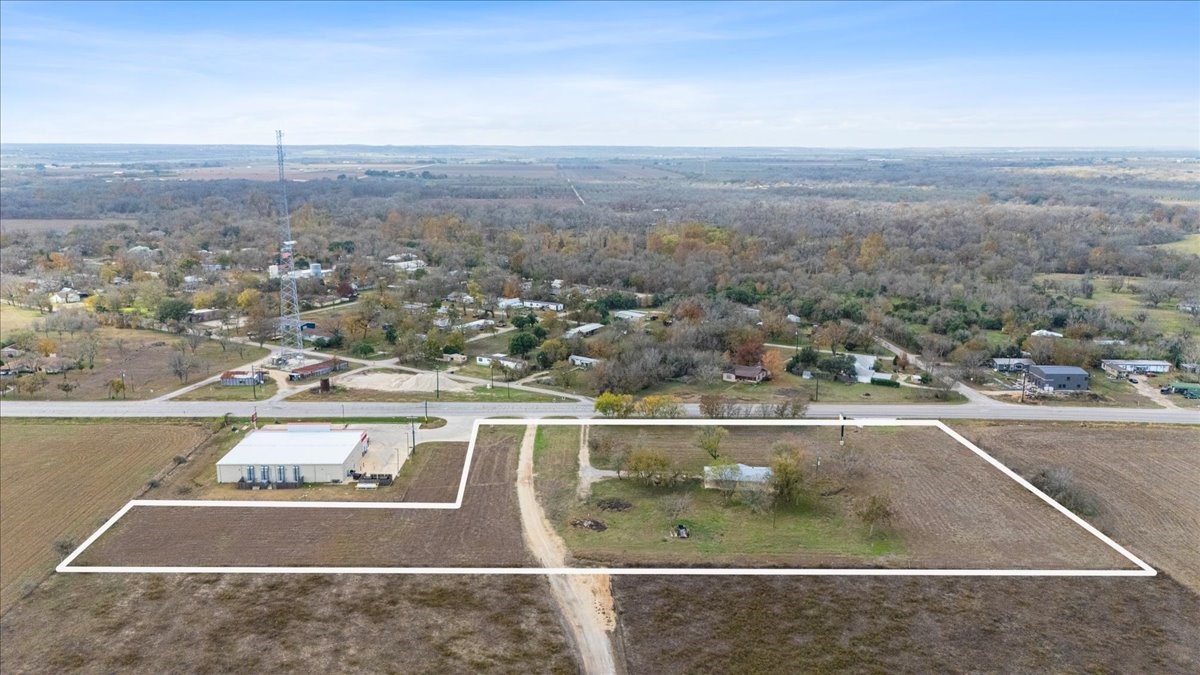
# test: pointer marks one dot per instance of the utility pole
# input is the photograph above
(437, 383)
(1024, 374)
(426, 420)
(412, 427)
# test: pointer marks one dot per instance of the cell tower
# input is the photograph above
(291, 342)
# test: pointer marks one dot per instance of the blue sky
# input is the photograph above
(706, 74)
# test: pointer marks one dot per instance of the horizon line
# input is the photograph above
(622, 145)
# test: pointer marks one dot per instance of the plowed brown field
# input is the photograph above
(907, 625)
(1145, 481)
(282, 623)
(60, 481)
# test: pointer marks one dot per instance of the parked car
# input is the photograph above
(1132, 380)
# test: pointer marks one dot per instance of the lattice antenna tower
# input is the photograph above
(291, 342)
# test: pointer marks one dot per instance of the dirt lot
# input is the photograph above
(486, 531)
(1145, 480)
(144, 357)
(436, 471)
(285, 624)
(953, 510)
(927, 624)
(62, 480)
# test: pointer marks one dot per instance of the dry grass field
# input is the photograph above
(13, 319)
(144, 357)
(953, 510)
(62, 480)
(1145, 481)
(486, 531)
(912, 625)
(84, 623)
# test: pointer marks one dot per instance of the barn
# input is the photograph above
(301, 453)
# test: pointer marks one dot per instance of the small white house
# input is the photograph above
(1046, 333)
(543, 305)
(741, 475)
(582, 361)
(629, 315)
(1134, 366)
(478, 324)
(500, 360)
(407, 265)
(66, 296)
(302, 453)
(509, 303)
(586, 330)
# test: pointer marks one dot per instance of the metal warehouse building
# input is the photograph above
(1059, 378)
(302, 453)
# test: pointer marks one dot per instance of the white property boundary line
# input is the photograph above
(1143, 571)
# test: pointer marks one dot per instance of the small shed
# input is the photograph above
(242, 378)
(318, 369)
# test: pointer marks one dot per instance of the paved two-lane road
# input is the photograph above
(267, 409)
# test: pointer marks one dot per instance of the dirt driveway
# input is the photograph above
(1148, 387)
(585, 601)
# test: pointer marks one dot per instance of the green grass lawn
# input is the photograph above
(493, 344)
(721, 532)
(13, 319)
(556, 467)
(1123, 304)
(1189, 244)
(472, 369)
(219, 392)
(499, 394)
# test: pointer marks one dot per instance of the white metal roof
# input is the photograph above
(268, 446)
(744, 473)
(585, 328)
